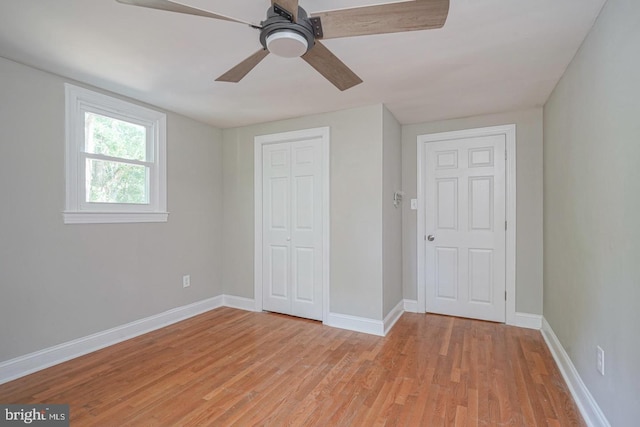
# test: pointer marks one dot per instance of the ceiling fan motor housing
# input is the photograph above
(284, 38)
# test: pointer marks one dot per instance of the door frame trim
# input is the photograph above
(259, 141)
(509, 131)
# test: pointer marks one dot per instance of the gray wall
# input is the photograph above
(391, 216)
(592, 200)
(529, 200)
(60, 282)
(356, 207)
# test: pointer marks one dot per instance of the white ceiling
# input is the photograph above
(491, 56)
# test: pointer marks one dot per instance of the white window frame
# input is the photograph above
(78, 101)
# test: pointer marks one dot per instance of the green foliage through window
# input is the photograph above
(115, 181)
(115, 138)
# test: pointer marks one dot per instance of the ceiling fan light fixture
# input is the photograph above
(287, 43)
(288, 31)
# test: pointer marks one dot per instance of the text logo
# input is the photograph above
(34, 415)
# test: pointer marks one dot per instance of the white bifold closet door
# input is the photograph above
(292, 228)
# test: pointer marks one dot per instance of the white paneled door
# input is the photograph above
(292, 239)
(464, 218)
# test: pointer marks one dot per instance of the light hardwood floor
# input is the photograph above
(231, 367)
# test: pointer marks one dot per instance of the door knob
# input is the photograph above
(431, 237)
(288, 239)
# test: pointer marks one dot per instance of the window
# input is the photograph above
(115, 160)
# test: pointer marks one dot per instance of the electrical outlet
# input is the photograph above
(186, 281)
(600, 360)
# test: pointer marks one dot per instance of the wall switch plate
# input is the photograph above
(414, 204)
(186, 281)
(600, 360)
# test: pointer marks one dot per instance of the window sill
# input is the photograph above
(113, 217)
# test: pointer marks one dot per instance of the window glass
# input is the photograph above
(115, 182)
(115, 138)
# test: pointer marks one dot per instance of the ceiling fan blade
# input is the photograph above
(327, 64)
(290, 5)
(238, 72)
(171, 6)
(385, 18)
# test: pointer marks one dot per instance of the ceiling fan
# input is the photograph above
(289, 31)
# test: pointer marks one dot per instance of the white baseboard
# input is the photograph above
(411, 306)
(242, 303)
(393, 316)
(355, 323)
(366, 325)
(335, 320)
(42, 359)
(522, 320)
(527, 320)
(591, 412)
(29, 363)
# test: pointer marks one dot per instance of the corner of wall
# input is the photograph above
(591, 412)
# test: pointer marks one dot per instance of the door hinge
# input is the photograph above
(505, 225)
(505, 295)
(505, 154)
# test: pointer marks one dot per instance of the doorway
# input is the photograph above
(292, 223)
(466, 223)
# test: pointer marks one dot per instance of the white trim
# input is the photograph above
(393, 316)
(509, 131)
(336, 320)
(420, 274)
(326, 220)
(241, 303)
(42, 359)
(257, 225)
(527, 320)
(411, 306)
(27, 364)
(259, 141)
(591, 412)
(355, 323)
(111, 218)
(511, 218)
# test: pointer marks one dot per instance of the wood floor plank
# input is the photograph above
(230, 367)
